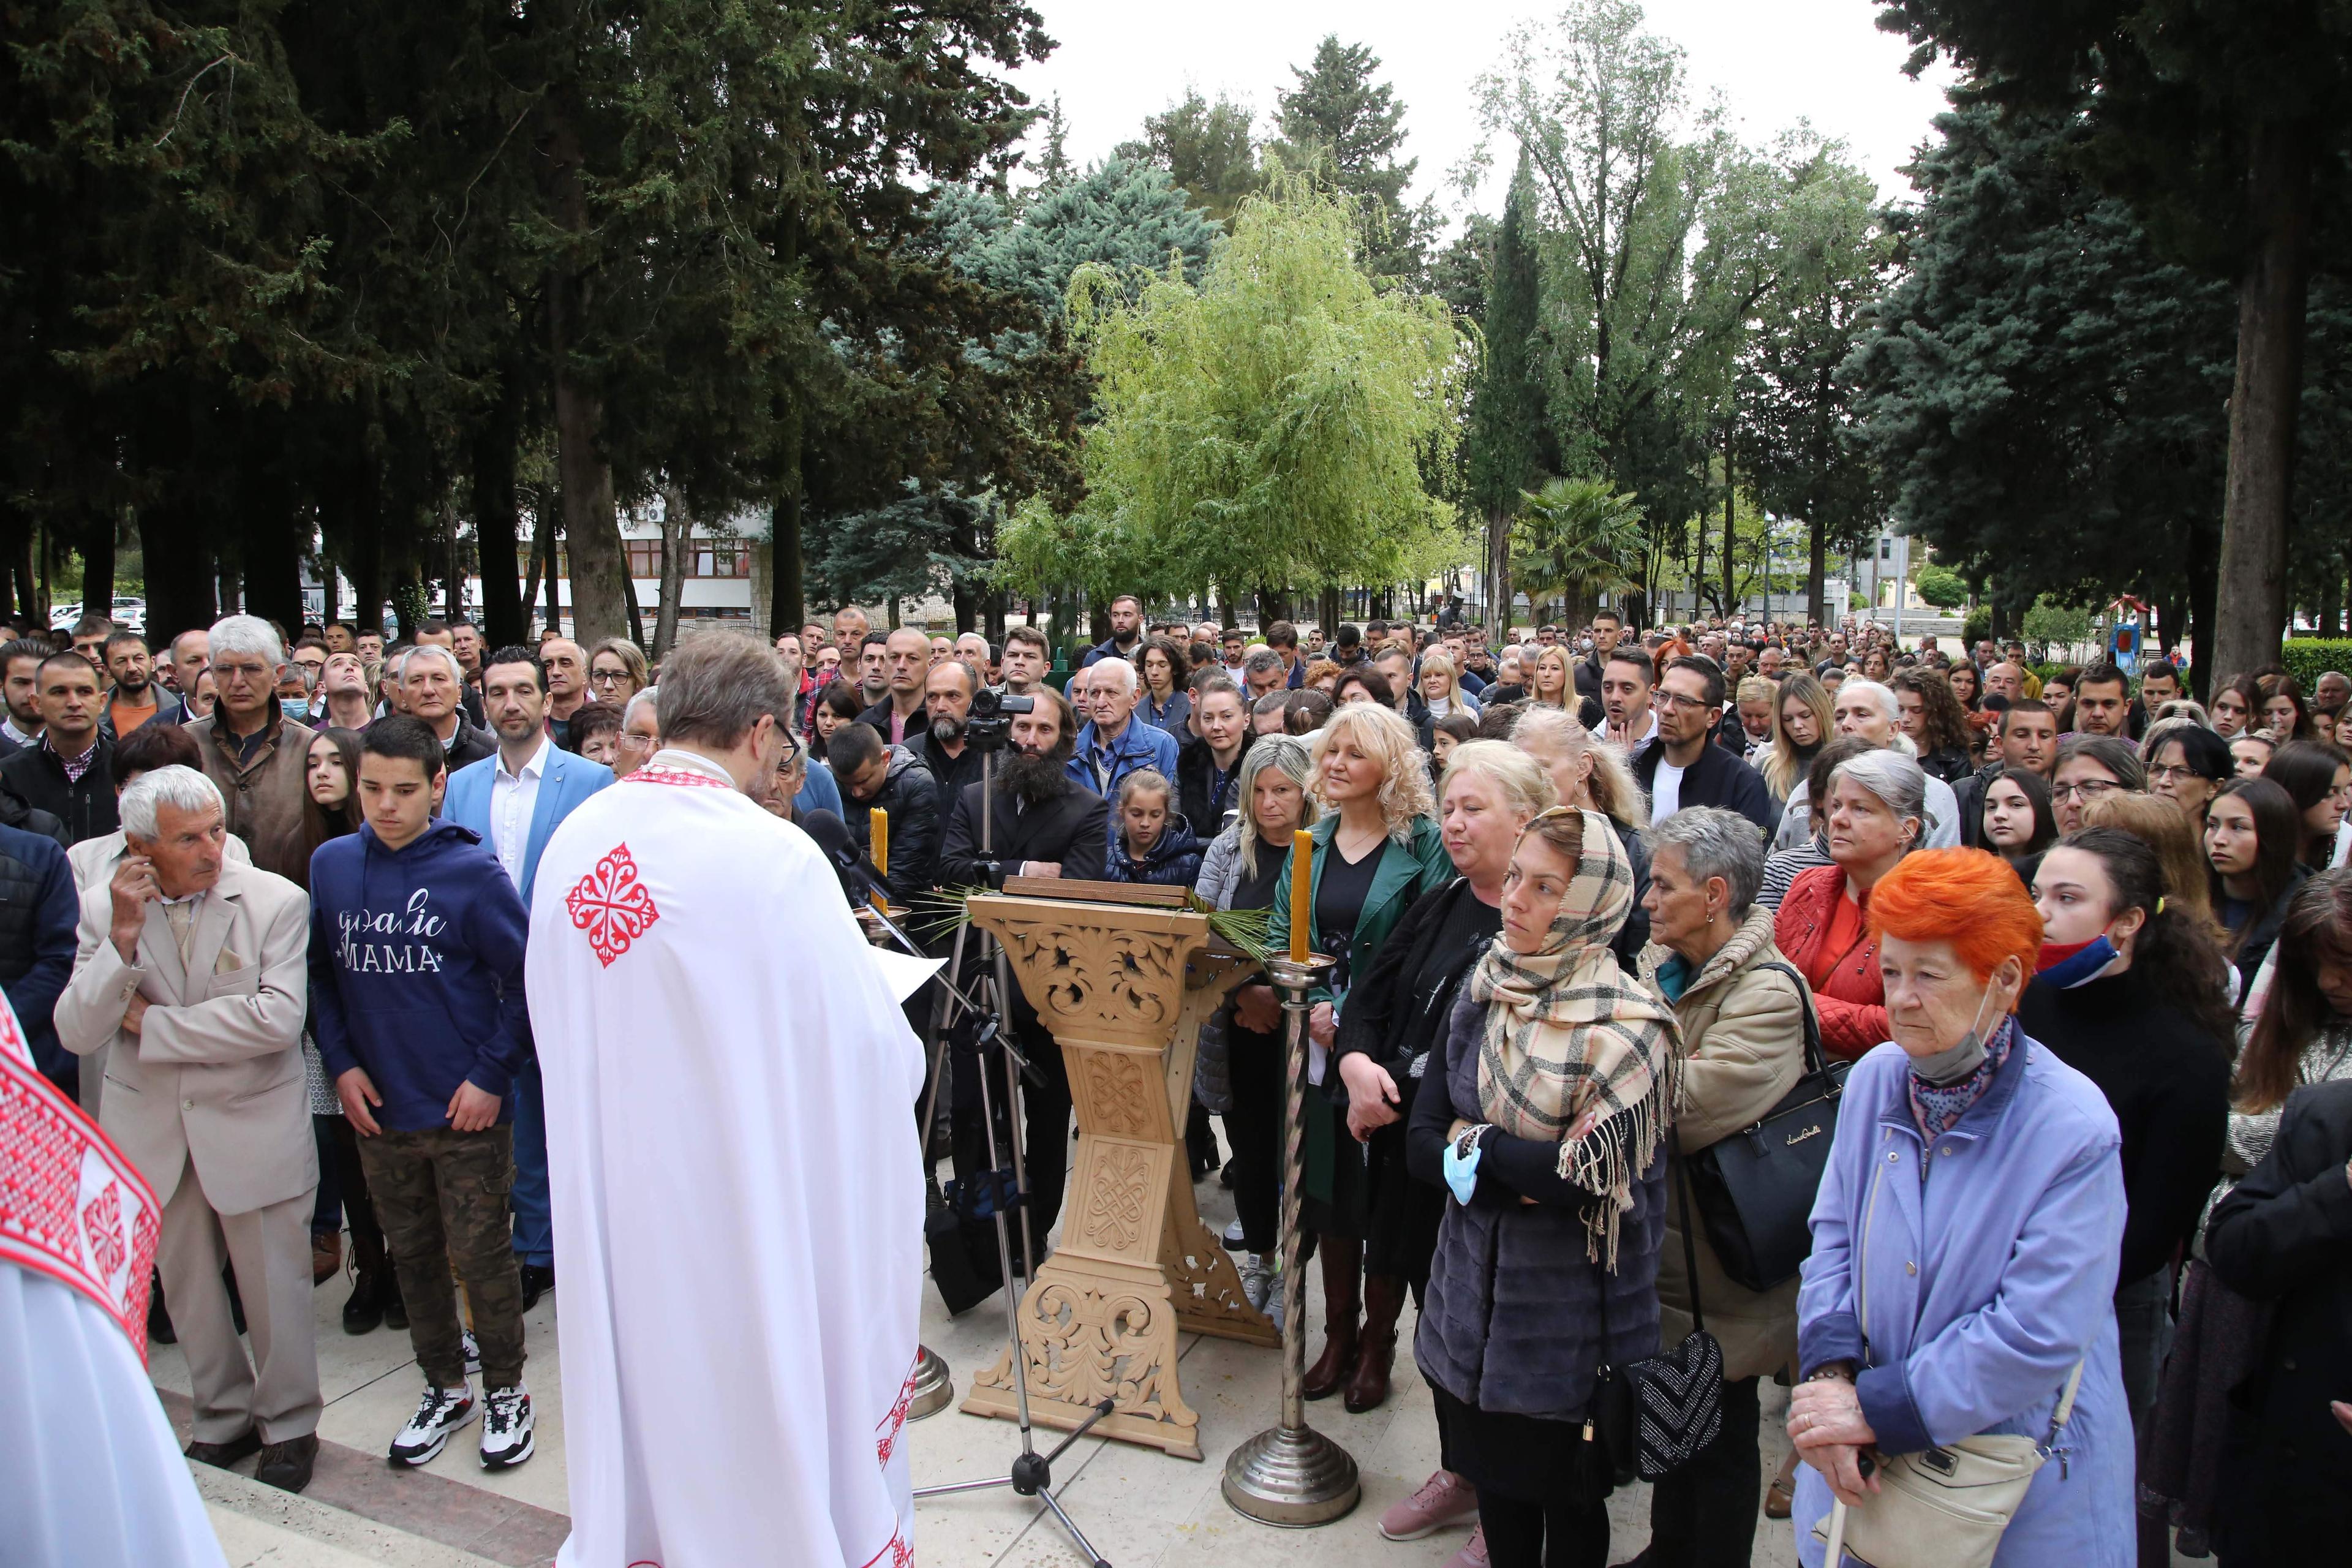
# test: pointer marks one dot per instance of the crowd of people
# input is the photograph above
(1599, 900)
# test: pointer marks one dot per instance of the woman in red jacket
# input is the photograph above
(1877, 815)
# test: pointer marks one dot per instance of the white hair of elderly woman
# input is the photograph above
(180, 787)
(1893, 777)
(248, 635)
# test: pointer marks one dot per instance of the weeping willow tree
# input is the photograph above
(1272, 429)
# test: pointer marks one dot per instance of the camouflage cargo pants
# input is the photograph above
(441, 1198)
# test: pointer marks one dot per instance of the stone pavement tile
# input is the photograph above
(456, 1511)
(261, 1527)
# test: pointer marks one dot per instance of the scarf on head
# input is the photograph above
(1574, 1052)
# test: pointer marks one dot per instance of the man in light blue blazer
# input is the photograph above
(514, 799)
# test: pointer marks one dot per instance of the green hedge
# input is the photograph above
(2307, 658)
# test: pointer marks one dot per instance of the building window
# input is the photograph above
(704, 558)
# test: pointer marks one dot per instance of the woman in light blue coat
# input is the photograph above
(1966, 1234)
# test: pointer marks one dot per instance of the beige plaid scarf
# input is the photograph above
(1575, 1052)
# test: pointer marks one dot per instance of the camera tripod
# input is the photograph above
(1032, 1473)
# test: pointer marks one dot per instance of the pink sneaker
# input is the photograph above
(1443, 1499)
(1474, 1552)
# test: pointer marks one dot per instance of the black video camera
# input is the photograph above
(989, 726)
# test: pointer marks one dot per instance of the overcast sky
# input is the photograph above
(1775, 63)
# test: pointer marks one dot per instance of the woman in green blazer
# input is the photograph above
(1376, 850)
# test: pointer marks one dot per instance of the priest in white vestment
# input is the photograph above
(732, 1160)
(93, 1476)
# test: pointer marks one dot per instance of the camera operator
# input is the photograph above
(1042, 823)
(954, 762)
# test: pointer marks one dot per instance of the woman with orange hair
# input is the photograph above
(1979, 1303)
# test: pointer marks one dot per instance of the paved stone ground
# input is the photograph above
(1141, 1508)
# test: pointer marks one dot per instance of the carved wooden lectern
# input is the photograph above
(1124, 987)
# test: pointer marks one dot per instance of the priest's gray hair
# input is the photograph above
(1717, 842)
(248, 635)
(178, 787)
(717, 688)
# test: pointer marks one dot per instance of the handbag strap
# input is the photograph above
(1817, 1058)
(1690, 1246)
(2065, 1405)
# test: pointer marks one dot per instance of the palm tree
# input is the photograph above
(1577, 539)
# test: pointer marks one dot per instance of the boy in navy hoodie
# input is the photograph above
(416, 977)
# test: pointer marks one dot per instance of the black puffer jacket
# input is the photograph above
(911, 796)
(86, 805)
(17, 811)
(40, 914)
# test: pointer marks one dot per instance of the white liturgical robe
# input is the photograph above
(737, 1186)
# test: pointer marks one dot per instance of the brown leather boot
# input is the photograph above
(326, 1255)
(1343, 1263)
(1383, 1300)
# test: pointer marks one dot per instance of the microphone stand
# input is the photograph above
(1031, 1474)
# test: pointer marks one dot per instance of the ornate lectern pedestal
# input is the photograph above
(1124, 987)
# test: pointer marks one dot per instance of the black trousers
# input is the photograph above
(1046, 1145)
(1704, 1515)
(1253, 1130)
(1564, 1534)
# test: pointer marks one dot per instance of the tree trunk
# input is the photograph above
(1817, 573)
(677, 537)
(17, 559)
(98, 564)
(556, 578)
(2204, 554)
(592, 529)
(1726, 605)
(2251, 587)
(179, 574)
(788, 589)
(542, 556)
(629, 592)
(273, 558)
(367, 553)
(504, 619)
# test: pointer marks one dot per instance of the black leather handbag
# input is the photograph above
(1650, 1418)
(1755, 1188)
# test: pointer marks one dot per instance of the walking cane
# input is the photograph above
(1837, 1536)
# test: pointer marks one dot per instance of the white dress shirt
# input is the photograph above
(513, 798)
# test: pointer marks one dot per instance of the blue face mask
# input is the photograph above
(295, 707)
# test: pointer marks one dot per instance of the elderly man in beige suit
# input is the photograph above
(191, 977)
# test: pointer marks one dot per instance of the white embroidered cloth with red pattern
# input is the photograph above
(72, 1205)
(736, 1182)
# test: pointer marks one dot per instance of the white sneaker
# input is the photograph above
(506, 1427)
(1257, 1279)
(1233, 1236)
(441, 1412)
(473, 1350)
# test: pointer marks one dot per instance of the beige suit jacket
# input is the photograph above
(214, 1077)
